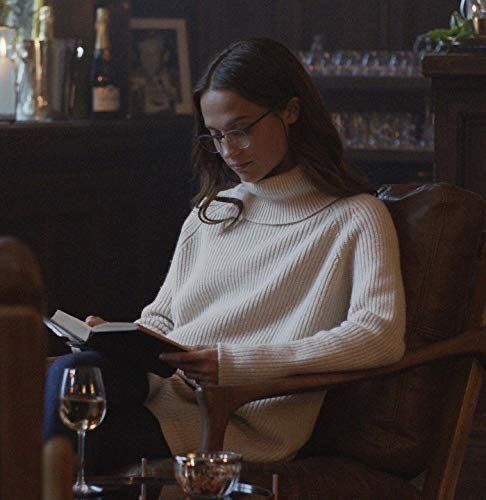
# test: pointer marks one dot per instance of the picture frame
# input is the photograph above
(160, 77)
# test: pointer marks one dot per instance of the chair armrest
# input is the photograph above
(217, 402)
(57, 469)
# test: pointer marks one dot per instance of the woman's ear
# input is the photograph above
(292, 111)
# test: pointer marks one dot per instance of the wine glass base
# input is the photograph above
(86, 490)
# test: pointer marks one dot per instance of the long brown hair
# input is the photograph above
(265, 72)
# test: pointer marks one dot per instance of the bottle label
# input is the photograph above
(106, 99)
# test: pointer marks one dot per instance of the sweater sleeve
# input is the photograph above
(158, 314)
(373, 332)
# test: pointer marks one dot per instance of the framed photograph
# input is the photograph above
(160, 78)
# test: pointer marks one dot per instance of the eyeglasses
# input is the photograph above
(237, 138)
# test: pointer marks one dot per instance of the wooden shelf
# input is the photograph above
(408, 85)
(113, 125)
(390, 156)
(458, 65)
(81, 145)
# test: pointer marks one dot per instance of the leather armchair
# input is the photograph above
(22, 368)
(378, 429)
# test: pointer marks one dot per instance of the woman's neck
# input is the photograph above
(286, 164)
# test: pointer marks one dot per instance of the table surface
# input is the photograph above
(157, 489)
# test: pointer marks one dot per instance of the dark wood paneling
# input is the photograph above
(407, 19)
(101, 205)
(74, 19)
(458, 83)
(346, 24)
(473, 166)
(375, 24)
(220, 22)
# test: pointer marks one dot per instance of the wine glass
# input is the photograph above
(82, 407)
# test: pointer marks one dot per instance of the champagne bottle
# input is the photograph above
(105, 85)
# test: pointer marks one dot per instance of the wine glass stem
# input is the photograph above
(80, 481)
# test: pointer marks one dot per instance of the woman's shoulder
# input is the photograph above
(215, 210)
(361, 209)
(190, 226)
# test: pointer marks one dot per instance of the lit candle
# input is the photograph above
(7, 83)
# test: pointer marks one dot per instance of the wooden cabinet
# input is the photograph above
(101, 205)
(459, 96)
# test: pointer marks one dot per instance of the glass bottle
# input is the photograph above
(8, 95)
(104, 79)
(43, 63)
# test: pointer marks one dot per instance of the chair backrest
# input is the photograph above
(392, 424)
(22, 366)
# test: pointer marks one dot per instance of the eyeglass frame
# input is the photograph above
(216, 139)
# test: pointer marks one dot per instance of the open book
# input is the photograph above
(130, 342)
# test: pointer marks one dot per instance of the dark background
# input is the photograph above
(345, 24)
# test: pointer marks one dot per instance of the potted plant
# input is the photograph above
(460, 31)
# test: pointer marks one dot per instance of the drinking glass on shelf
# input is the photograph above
(408, 131)
(350, 62)
(314, 54)
(82, 407)
(325, 66)
(337, 61)
(374, 63)
(427, 136)
(357, 131)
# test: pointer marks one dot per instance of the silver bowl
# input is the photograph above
(208, 474)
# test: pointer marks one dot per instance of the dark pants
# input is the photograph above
(128, 432)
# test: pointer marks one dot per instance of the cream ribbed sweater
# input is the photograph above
(299, 285)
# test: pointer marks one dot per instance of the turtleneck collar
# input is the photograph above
(281, 199)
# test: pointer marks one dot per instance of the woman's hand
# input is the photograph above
(94, 320)
(200, 363)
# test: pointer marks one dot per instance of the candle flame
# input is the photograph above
(3, 47)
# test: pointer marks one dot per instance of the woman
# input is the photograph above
(285, 266)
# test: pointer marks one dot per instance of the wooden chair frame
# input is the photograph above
(218, 402)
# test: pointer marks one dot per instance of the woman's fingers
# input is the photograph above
(94, 320)
(200, 364)
(201, 378)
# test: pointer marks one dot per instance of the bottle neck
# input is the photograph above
(102, 41)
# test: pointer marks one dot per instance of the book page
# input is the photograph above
(73, 325)
(114, 327)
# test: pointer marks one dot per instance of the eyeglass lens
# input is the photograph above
(237, 139)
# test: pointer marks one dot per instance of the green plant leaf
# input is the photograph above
(460, 29)
(438, 34)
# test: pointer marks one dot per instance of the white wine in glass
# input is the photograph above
(82, 407)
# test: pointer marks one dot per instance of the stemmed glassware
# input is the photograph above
(82, 407)
(386, 131)
(319, 60)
